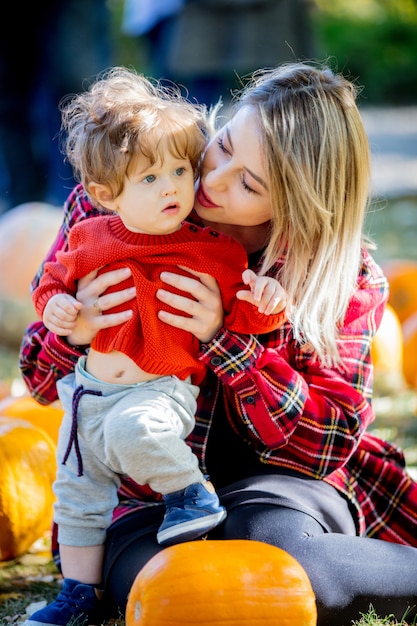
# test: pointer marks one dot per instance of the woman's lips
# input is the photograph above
(203, 198)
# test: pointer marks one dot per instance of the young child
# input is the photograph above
(130, 404)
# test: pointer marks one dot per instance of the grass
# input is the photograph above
(372, 619)
(27, 580)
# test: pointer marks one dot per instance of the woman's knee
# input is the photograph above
(279, 526)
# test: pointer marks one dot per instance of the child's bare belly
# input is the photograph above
(116, 368)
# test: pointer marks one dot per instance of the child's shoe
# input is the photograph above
(76, 602)
(191, 512)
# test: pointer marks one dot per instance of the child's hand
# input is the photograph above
(60, 314)
(265, 293)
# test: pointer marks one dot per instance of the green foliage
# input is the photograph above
(373, 42)
(372, 619)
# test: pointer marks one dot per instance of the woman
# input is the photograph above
(282, 417)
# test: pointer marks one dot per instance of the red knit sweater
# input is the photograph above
(156, 347)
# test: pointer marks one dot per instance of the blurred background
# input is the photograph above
(208, 47)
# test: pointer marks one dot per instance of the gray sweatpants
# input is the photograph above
(110, 430)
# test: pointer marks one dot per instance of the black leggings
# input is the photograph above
(348, 573)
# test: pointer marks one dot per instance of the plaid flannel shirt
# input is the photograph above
(295, 413)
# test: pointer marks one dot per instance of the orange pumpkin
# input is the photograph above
(402, 278)
(46, 417)
(27, 466)
(410, 350)
(387, 345)
(26, 234)
(221, 583)
(388, 353)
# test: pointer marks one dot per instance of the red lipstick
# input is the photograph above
(204, 199)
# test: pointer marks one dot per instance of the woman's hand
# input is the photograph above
(90, 318)
(202, 304)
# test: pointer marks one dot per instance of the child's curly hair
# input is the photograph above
(123, 115)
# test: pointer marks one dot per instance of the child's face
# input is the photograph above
(156, 198)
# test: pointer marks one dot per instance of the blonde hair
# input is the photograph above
(318, 167)
(123, 115)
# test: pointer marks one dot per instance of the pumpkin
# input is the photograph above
(388, 353)
(26, 234)
(221, 583)
(28, 467)
(410, 350)
(402, 278)
(46, 417)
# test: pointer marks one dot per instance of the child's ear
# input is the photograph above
(102, 195)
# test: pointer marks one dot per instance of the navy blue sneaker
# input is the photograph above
(190, 513)
(76, 603)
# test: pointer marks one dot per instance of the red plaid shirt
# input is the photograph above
(294, 413)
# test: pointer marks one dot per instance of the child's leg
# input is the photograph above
(86, 493)
(137, 431)
(85, 487)
(132, 430)
(143, 434)
(82, 594)
(82, 563)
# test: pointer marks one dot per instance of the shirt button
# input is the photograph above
(216, 360)
(250, 400)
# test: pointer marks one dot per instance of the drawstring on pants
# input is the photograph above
(78, 394)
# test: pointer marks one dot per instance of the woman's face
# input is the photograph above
(233, 187)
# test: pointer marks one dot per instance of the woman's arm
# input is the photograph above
(297, 413)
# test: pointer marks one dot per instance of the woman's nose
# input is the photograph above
(217, 177)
